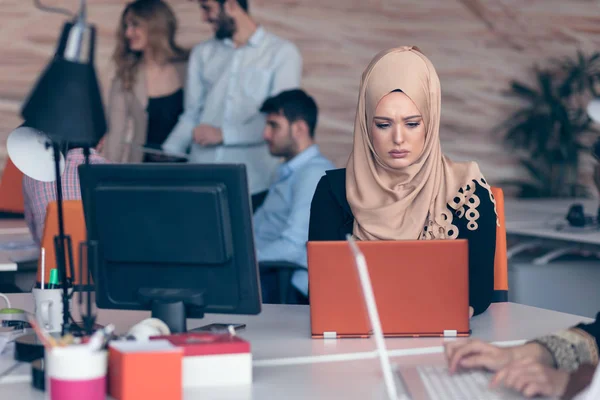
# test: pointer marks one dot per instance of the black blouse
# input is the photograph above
(331, 219)
(163, 114)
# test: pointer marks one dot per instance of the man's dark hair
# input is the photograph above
(242, 3)
(294, 105)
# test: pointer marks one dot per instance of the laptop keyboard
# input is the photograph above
(472, 385)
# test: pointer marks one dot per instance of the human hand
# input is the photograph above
(471, 354)
(471, 312)
(207, 135)
(532, 378)
(100, 145)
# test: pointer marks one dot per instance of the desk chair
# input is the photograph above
(500, 258)
(258, 199)
(284, 271)
(11, 191)
(74, 227)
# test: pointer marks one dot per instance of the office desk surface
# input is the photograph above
(283, 331)
(14, 231)
(281, 345)
(538, 218)
(351, 380)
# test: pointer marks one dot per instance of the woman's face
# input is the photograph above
(397, 131)
(136, 33)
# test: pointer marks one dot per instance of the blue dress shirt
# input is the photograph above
(281, 223)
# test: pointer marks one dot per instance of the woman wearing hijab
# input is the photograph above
(398, 185)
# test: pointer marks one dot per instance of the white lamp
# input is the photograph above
(31, 152)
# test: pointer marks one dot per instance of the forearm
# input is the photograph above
(249, 132)
(181, 136)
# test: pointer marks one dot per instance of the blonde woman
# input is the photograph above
(146, 95)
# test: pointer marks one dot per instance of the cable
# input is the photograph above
(6, 300)
(57, 10)
(10, 369)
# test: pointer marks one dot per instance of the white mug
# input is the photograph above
(49, 309)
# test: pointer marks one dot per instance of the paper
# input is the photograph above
(18, 245)
(132, 346)
(3, 343)
(12, 371)
(158, 152)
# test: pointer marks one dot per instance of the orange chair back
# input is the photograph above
(74, 227)
(11, 189)
(500, 259)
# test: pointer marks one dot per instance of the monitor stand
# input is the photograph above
(169, 305)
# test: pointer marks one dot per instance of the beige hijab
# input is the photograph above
(412, 203)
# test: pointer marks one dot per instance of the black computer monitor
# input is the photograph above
(172, 238)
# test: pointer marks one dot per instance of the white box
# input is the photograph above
(211, 359)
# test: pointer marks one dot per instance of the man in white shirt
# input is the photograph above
(229, 77)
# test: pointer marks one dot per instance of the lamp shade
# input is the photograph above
(65, 102)
(32, 154)
(593, 110)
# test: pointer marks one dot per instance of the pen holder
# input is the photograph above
(76, 372)
(49, 309)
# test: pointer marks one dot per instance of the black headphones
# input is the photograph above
(576, 216)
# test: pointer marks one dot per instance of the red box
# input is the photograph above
(145, 370)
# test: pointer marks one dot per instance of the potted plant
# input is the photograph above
(547, 131)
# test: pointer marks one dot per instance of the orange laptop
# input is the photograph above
(421, 288)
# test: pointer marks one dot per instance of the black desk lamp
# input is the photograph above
(66, 105)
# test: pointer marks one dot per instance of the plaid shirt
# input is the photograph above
(37, 194)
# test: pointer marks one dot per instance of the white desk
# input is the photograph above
(14, 230)
(283, 331)
(536, 220)
(280, 341)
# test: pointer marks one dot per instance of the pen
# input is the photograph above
(47, 340)
(97, 339)
(53, 280)
(43, 267)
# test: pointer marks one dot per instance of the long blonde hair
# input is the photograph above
(162, 28)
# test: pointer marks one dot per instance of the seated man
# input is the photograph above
(281, 223)
(37, 194)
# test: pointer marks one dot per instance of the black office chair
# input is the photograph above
(257, 199)
(283, 269)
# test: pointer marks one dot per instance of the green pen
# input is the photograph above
(53, 280)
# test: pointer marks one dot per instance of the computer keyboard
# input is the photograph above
(472, 385)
